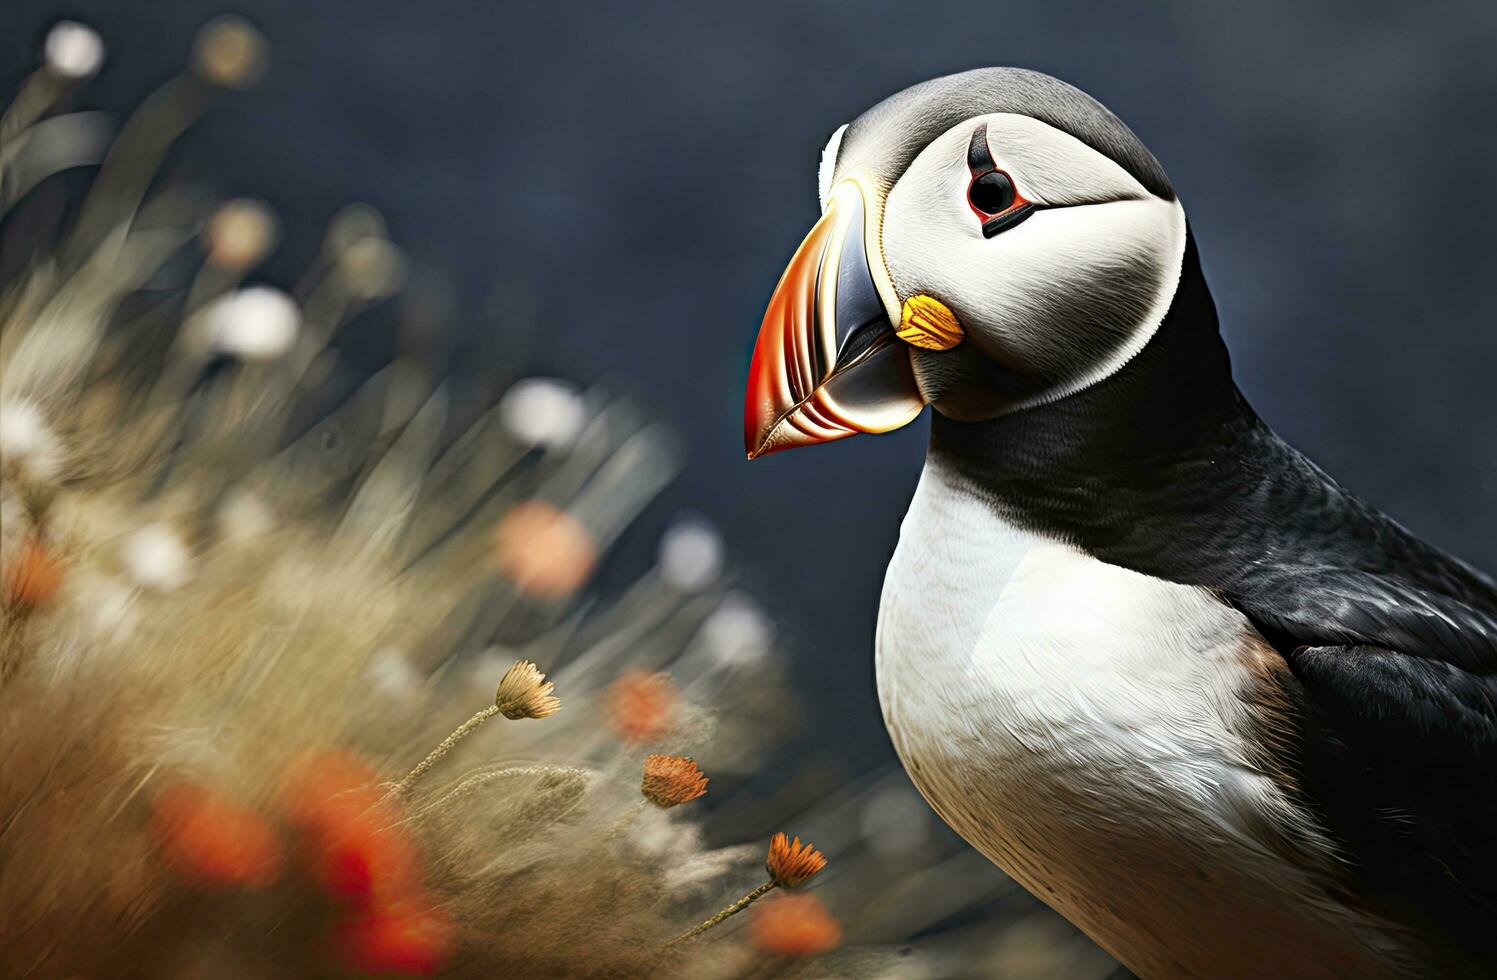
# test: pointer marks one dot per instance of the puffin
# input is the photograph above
(1160, 668)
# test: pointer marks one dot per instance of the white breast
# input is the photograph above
(1089, 729)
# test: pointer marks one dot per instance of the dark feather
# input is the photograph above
(1164, 468)
(1398, 756)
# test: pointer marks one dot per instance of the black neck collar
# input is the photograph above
(1144, 435)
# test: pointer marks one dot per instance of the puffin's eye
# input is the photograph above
(991, 193)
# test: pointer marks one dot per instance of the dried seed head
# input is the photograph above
(524, 692)
(790, 862)
(794, 925)
(641, 707)
(671, 780)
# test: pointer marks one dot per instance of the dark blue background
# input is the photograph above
(644, 170)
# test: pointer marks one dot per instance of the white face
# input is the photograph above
(1065, 297)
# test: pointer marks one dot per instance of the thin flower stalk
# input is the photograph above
(403, 788)
(725, 914)
(789, 864)
(523, 692)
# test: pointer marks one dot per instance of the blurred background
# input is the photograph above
(629, 179)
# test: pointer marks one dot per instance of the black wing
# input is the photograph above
(1398, 757)
(1394, 645)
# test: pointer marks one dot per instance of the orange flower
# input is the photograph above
(641, 707)
(33, 578)
(543, 550)
(409, 939)
(319, 787)
(356, 853)
(671, 780)
(212, 841)
(794, 925)
(790, 863)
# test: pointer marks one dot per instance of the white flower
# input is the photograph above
(373, 268)
(691, 554)
(26, 442)
(353, 223)
(73, 51)
(391, 673)
(544, 412)
(108, 605)
(156, 558)
(737, 632)
(244, 517)
(254, 324)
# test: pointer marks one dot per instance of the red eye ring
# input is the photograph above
(991, 194)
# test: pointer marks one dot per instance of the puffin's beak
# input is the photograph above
(827, 363)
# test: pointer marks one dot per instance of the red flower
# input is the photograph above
(321, 787)
(794, 925)
(34, 577)
(641, 707)
(408, 938)
(357, 854)
(543, 550)
(212, 841)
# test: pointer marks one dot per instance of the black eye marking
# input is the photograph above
(979, 157)
(991, 195)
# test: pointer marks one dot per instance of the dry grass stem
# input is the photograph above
(403, 788)
(789, 864)
(724, 915)
(234, 593)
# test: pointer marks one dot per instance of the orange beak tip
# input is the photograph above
(800, 392)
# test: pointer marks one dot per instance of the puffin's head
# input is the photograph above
(988, 241)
